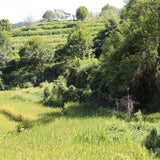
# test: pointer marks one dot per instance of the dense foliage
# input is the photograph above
(5, 25)
(36, 52)
(127, 48)
(48, 15)
(78, 43)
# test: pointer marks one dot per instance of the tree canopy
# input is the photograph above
(36, 52)
(81, 13)
(78, 42)
(48, 15)
(130, 52)
(109, 12)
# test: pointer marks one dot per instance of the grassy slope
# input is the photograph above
(78, 133)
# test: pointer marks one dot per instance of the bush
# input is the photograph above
(54, 96)
(59, 93)
(27, 85)
(152, 142)
(36, 52)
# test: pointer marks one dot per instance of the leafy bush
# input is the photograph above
(54, 96)
(36, 52)
(27, 85)
(58, 94)
(152, 142)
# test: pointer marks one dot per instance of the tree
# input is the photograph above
(48, 15)
(36, 52)
(91, 15)
(111, 25)
(81, 13)
(5, 50)
(112, 17)
(130, 54)
(78, 43)
(28, 22)
(59, 14)
(144, 16)
(5, 25)
(109, 12)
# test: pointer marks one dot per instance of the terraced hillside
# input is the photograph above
(56, 32)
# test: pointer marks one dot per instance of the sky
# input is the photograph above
(19, 10)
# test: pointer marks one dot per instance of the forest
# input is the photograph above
(82, 88)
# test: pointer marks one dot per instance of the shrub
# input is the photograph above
(59, 93)
(36, 52)
(152, 142)
(27, 85)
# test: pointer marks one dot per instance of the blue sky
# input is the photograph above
(18, 10)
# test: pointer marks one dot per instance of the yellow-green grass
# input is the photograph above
(6, 125)
(20, 106)
(62, 139)
(78, 132)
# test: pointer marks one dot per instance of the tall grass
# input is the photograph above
(78, 132)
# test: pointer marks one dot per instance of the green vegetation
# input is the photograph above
(36, 52)
(48, 15)
(79, 131)
(82, 89)
(5, 25)
(81, 13)
(5, 49)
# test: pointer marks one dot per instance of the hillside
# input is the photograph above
(56, 32)
(82, 89)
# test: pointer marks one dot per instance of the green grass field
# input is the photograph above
(29, 130)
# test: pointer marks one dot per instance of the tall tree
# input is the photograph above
(108, 12)
(130, 52)
(110, 26)
(78, 43)
(81, 13)
(48, 15)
